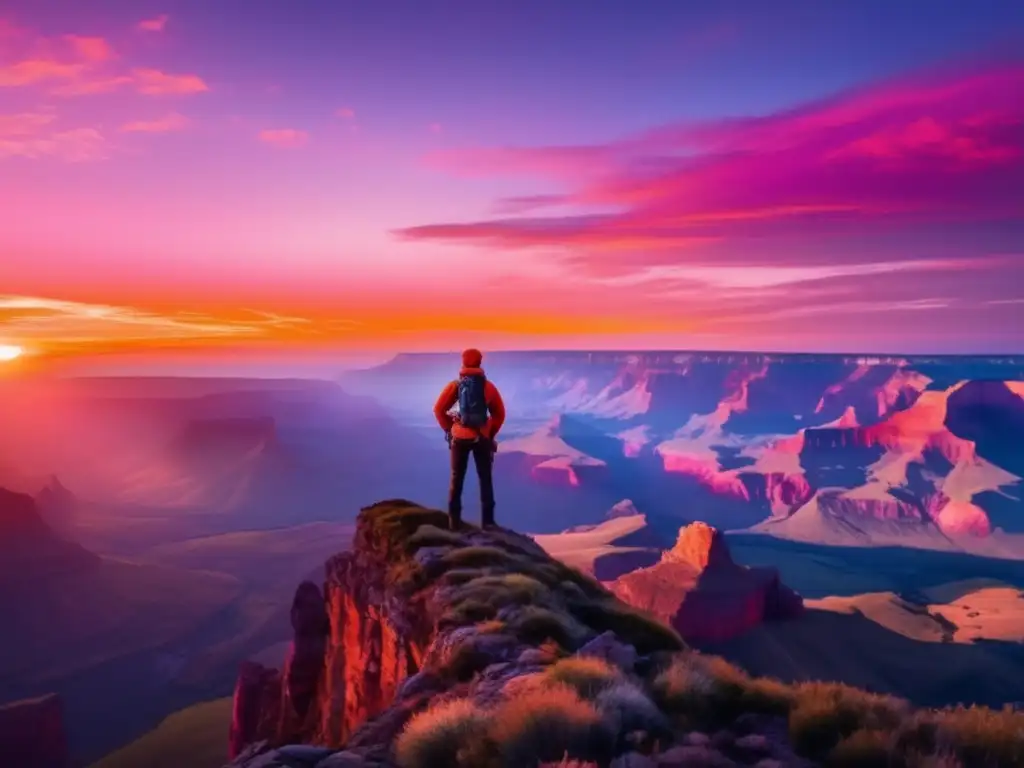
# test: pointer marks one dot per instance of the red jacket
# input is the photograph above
(450, 396)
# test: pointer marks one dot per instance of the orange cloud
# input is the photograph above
(155, 24)
(91, 48)
(47, 324)
(284, 137)
(166, 124)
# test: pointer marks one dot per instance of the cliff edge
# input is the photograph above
(477, 649)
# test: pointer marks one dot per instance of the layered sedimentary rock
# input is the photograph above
(698, 589)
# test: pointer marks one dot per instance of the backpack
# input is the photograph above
(472, 402)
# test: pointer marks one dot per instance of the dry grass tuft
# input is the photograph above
(823, 714)
(712, 692)
(441, 735)
(587, 676)
(643, 632)
(534, 625)
(549, 723)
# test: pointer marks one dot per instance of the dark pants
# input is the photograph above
(483, 457)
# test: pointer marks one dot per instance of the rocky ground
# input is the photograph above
(432, 648)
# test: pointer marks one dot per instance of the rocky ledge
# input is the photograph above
(428, 649)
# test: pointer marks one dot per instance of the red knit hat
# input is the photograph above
(472, 358)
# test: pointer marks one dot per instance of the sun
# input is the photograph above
(10, 352)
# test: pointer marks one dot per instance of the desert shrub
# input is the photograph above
(629, 709)
(587, 676)
(712, 692)
(571, 591)
(490, 627)
(643, 632)
(550, 723)
(533, 625)
(477, 557)
(440, 735)
(431, 536)
(467, 612)
(587, 584)
(823, 714)
(981, 736)
(500, 591)
(472, 655)
(862, 749)
(456, 577)
(393, 522)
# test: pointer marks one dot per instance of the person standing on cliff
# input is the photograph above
(471, 432)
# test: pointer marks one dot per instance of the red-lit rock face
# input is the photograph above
(702, 593)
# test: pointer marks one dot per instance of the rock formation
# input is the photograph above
(32, 734)
(29, 548)
(702, 593)
(418, 617)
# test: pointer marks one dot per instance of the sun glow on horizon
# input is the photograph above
(10, 352)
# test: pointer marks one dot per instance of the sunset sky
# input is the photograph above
(421, 174)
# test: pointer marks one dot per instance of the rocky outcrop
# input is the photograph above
(256, 708)
(279, 707)
(32, 734)
(703, 594)
(29, 548)
(419, 617)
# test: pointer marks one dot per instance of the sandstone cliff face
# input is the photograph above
(702, 593)
(32, 734)
(418, 617)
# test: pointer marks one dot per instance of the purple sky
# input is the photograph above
(785, 175)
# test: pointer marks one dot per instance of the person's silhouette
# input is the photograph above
(471, 432)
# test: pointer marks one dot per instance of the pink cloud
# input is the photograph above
(148, 82)
(33, 71)
(284, 137)
(937, 148)
(153, 82)
(166, 124)
(91, 48)
(34, 135)
(75, 65)
(345, 113)
(155, 24)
